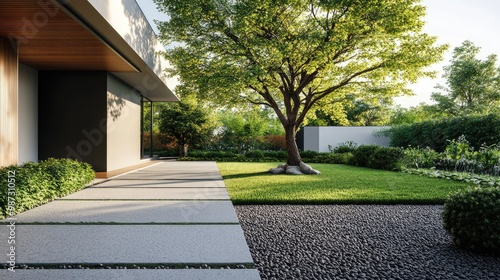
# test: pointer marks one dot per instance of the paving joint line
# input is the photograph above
(153, 199)
(123, 224)
(125, 188)
(103, 265)
(173, 179)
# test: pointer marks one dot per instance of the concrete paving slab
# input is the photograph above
(93, 193)
(116, 183)
(178, 167)
(184, 165)
(131, 274)
(194, 175)
(131, 212)
(96, 244)
(176, 170)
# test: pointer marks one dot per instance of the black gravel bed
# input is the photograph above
(357, 242)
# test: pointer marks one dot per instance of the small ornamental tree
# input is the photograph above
(294, 55)
(187, 122)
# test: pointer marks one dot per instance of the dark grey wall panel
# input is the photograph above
(73, 116)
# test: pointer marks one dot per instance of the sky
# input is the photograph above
(452, 21)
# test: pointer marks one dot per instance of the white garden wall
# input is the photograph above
(318, 138)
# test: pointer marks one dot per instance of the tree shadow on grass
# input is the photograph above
(245, 175)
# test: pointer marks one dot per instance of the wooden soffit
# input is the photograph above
(51, 38)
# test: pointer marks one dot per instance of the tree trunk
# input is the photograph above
(183, 147)
(291, 146)
(184, 150)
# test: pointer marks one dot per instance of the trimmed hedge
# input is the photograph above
(333, 158)
(377, 157)
(472, 217)
(33, 184)
(478, 130)
(371, 156)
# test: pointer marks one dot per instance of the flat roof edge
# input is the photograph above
(145, 80)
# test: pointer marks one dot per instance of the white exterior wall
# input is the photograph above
(124, 125)
(128, 20)
(28, 114)
(318, 138)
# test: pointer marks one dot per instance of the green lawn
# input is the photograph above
(248, 183)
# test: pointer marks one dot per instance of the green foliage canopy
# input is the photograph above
(241, 129)
(292, 54)
(478, 130)
(187, 122)
(473, 85)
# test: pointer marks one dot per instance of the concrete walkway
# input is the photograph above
(176, 215)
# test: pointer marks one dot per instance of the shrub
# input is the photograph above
(472, 217)
(308, 155)
(377, 157)
(345, 147)
(459, 156)
(256, 154)
(387, 158)
(333, 158)
(363, 154)
(420, 158)
(478, 130)
(279, 155)
(67, 175)
(38, 183)
(218, 154)
(167, 153)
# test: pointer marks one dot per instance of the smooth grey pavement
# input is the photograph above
(137, 211)
(174, 215)
(132, 244)
(150, 194)
(135, 274)
(185, 183)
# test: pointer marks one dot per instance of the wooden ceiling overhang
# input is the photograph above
(71, 35)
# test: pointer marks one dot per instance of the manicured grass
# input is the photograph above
(248, 183)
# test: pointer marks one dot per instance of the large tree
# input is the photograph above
(292, 54)
(472, 84)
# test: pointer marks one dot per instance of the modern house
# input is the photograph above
(74, 77)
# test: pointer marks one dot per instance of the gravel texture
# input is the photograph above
(357, 242)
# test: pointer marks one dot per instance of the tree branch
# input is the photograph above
(321, 94)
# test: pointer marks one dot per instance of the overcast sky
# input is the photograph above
(453, 21)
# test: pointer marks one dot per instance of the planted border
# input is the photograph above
(32, 184)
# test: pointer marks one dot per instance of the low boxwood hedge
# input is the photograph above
(372, 156)
(472, 217)
(32, 184)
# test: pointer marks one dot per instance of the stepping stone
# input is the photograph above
(93, 193)
(117, 183)
(64, 211)
(129, 274)
(128, 244)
